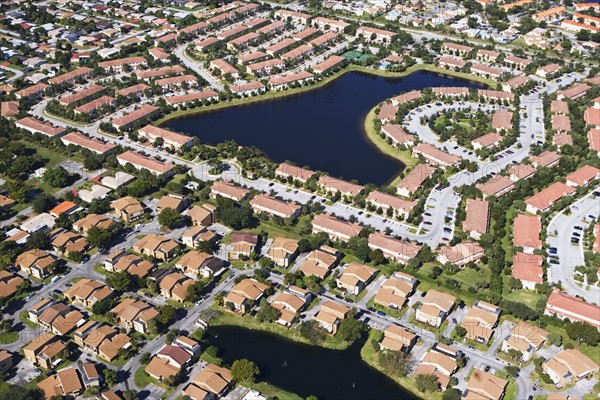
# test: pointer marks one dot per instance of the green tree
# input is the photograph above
(169, 217)
(460, 331)
(98, 237)
(102, 307)
(395, 363)
(120, 281)
(167, 314)
(351, 329)
(427, 383)
(43, 203)
(56, 177)
(110, 377)
(583, 332)
(267, 312)
(312, 331)
(244, 370)
(451, 394)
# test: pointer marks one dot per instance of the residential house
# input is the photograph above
(36, 263)
(526, 232)
(134, 314)
(174, 286)
(212, 380)
(200, 264)
(477, 217)
(264, 203)
(569, 366)
(330, 315)
(480, 321)
(244, 295)
(483, 385)
(156, 246)
(319, 262)
(84, 224)
(355, 278)
(525, 338)
(434, 308)
(174, 201)
(394, 291)
(399, 250)
(283, 251)
(65, 382)
(228, 190)
(335, 228)
(461, 253)
(527, 268)
(87, 292)
(202, 215)
(46, 350)
(396, 338)
(128, 208)
(290, 305)
(564, 306)
(243, 244)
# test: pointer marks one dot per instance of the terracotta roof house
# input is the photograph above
(528, 269)
(396, 249)
(140, 162)
(9, 284)
(330, 315)
(65, 382)
(435, 156)
(594, 140)
(496, 186)
(487, 141)
(478, 218)
(396, 338)
(67, 242)
(59, 318)
(87, 292)
(228, 190)
(197, 234)
(566, 306)
(36, 263)
(483, 385)
(34, 125)
(502, 120)
(333, 185)
(202, 215)
(543, 200)
(398, 206)
(393, 292)
(244, 243)
(175, 201)
(335, 228)
(396, 134)
(387, 113)
(546, 159)
(84, 224)
(127, 121)
(480, 321)
(263, 203)
(461, 253)
(200, 264)
(245, 294)
(319, 262)
(156, 246)
(289, 171)
(525, 338)
(160, 368)
(174, 286)
(289, 305)
(583, 176)
(434, 308)
(134, 314)
(46, 350)
(283, 251)
(355, 278)
(9, 108)
(6, 361)
(526, 232)
(521, 171)
(414, 179)
(135, 265)
(128, 208)
(569, 366)
(65, 207)
(176, 355)
(212, 379)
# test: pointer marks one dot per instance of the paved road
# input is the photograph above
(559, 233)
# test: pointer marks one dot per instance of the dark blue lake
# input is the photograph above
(322, 129)
(307, 370)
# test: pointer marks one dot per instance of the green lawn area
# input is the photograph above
(225, 318)
(25, 319)
(53, 157)
(142, 379)
(370, 356)
(273, 392)
(8, 337)
(511, 389)
(405, 156)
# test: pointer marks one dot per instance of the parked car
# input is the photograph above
(381, 313)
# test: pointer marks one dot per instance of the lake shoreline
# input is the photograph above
(274, 95)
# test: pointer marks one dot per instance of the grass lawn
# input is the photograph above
(8, 337)
(24, 316)
(405, 156)
(142, 379)
(275, 230)
(370, 356)
(511, 389)
(53, 157)
(273, 392)
(227, 319)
